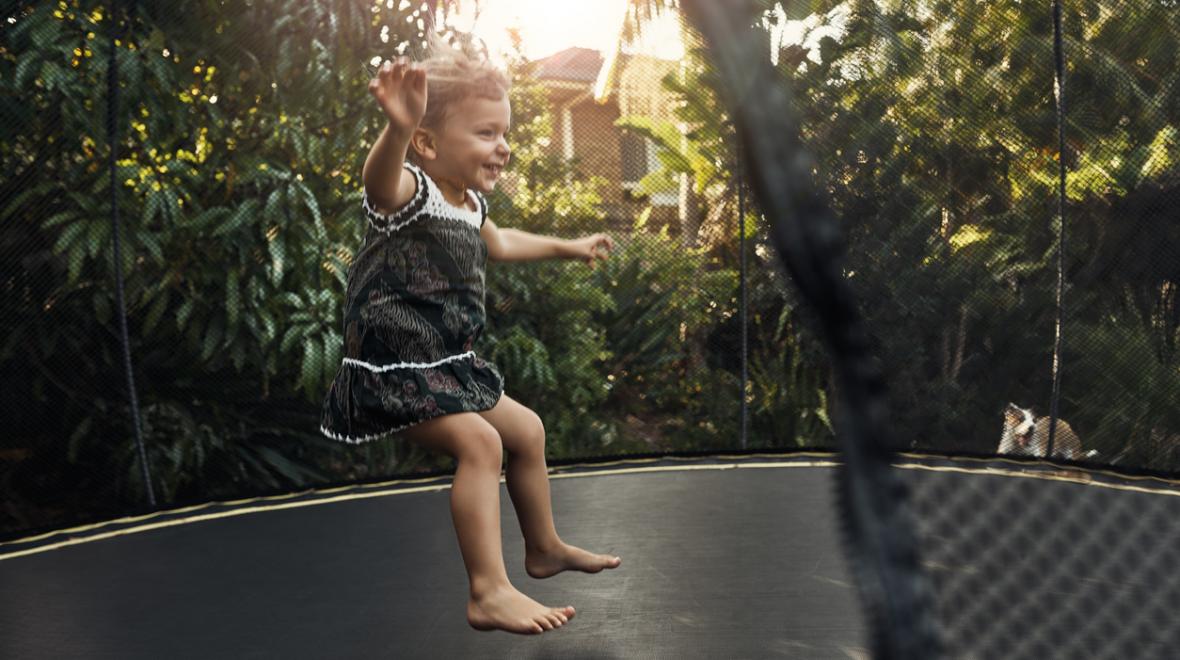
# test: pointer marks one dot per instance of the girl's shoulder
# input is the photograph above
(409, 212)
(428, 202)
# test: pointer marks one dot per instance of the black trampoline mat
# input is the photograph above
(718, 562)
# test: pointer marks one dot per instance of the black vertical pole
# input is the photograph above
(1059, 84)
(742, 288)
(113, 142)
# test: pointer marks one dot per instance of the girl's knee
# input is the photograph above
(533, 435)
(482, 446)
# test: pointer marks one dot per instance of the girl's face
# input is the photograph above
(471, 149)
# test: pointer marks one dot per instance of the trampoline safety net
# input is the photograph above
(1006, 201)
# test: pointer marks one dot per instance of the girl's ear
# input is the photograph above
(422, 142)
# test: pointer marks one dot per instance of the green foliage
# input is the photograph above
(936, 142)
(1109, 357)
(238, 160)
(551, 355)
(788, 387)
(666, 302)
(238, 192)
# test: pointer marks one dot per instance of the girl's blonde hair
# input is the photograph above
(453, 75)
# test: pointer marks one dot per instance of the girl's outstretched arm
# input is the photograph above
(515, 245)
(400, 90)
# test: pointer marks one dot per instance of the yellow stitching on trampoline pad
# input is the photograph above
(328, 500)
(1041, 476)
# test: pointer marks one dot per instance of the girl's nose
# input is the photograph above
(503, 149)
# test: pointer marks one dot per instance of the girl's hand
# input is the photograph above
(400, 89)
(589, 248)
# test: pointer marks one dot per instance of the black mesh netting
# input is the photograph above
(1040, 565)
(934, 129)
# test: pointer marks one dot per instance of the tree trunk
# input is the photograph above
(689, 212)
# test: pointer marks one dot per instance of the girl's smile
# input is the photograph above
(470, 151)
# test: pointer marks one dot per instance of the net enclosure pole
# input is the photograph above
(116, 227)
(743, 312)
(1059, 96)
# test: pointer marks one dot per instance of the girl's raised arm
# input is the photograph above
(400, 90)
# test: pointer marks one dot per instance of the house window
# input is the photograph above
(640, 159)
(635, 161)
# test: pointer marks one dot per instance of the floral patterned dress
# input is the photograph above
(414, 308)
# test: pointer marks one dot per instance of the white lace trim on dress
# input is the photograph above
(435, 204)
(378, 368)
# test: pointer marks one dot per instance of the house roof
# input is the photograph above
(573, 64)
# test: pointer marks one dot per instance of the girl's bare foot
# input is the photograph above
(565, 557)
(505, 608)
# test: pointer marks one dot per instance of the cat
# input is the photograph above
(1025, 434)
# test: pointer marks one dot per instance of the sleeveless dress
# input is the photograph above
(414, 308)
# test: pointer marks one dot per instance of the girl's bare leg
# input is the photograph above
(523, 435)
(475, 510)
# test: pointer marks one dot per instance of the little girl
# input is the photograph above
(414, 308)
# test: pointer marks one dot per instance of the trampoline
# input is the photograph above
(713, 566)
(733, 556)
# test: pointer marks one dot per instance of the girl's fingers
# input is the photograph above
(386, 75)
(415, 76)
(398, 70)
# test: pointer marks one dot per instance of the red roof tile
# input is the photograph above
(575, 64)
